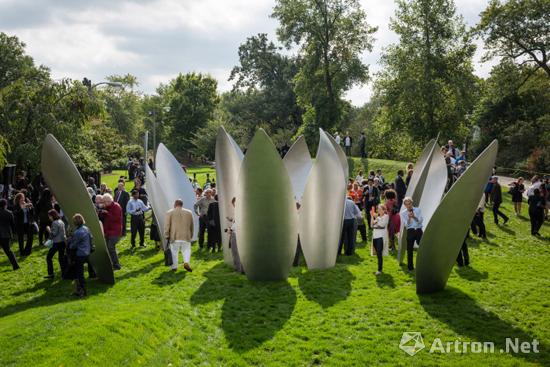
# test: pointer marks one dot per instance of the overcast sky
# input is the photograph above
(155, 40)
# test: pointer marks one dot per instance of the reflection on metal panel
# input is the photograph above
(228, 165)
(298, 165)
(434, 186)
(158, 201)
(175, 183)
(415, 189)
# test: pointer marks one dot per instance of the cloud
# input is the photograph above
(156, 40)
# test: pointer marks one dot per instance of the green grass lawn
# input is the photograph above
(340, 317)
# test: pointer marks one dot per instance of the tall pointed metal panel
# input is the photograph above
(175, 183)
(341, 155)
(449, 224)
(158, 201)
(69, 189)
(266, 214)
(228, 165)
(320, 217)
(415, 189)
(434, 186)
(298, 165)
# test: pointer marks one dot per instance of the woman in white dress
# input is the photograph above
(379, 223)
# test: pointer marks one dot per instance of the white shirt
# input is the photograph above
(337, 139)
(347, 141)
(380, 222)
(531, 190)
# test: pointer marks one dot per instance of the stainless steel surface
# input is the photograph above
(434, 186)
(341, 156)
(320, 216)
(298, 165)
(69, 189)
(415, 189)
(175, 183)
(449, 224)
(158, 201)
(228, 165)
(266, 214)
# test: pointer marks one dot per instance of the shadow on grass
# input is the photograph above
(139, 271)
(326, 287)
(385, 281)
(55, 292)
(252, 312)
(169, 277)
(205, 254)
(506, 229)
(469, 273)
(466, 317)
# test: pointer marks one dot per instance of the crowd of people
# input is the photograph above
(374, 206)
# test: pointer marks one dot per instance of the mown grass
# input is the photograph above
(340, 317)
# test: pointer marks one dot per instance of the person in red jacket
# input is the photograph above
(111, 216)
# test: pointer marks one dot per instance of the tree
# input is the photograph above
(518, 30)
(515, 109)
(267, 77)
(427, 85)
(123, 104)
(331, 35)
(190, 100)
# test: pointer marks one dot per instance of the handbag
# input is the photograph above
(167, 255)
(48, 244)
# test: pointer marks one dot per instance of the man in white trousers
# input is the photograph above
(178, 230)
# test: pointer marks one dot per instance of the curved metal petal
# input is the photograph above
(175, 183)
(228, 165)
(298, 165)
(320, 217)
(447, 229)
(158, 201)
(266, 214)
(70, 191)
(434, 186)
(341, 156)
(415, 189)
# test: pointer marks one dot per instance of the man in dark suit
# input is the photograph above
(400, 187)
(7, 228)
(122, 197)
(496, 199)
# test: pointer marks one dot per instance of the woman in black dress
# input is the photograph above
(516, 190)
(214, 226)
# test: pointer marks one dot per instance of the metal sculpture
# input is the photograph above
(266, 214)
(69, 189)
(320, 216)
(449, 224)
(341, 155)
(434, 186)
(158, 201)
(228, 165)
(415, 189)
(298, 165)
(175, 183)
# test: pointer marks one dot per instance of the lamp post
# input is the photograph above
(153, 114)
